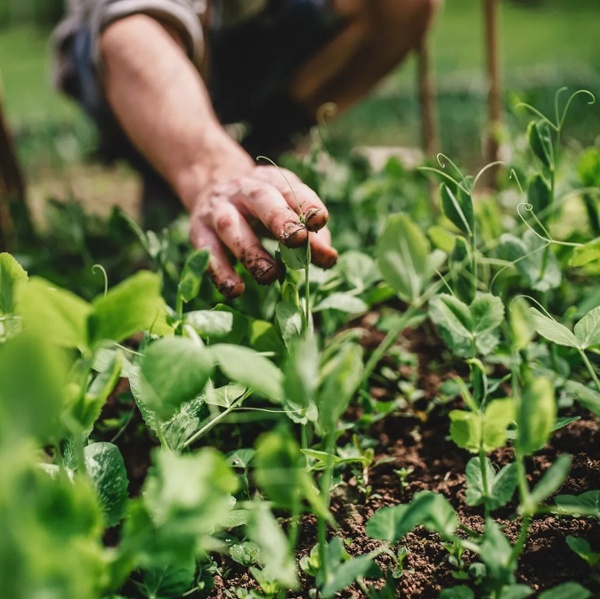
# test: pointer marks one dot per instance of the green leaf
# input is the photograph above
(11, 273)
(210, 324)
(189, 495)
(501, 485)
(247, 367)
(193, 272)
(552, 479)
(52, 313)
(463, 279)
(171, 580)
(588, 398)
(185, 422)
(33, 375)
(174, 370)
(567, 590)
(341, 377)
(587, 330)
(358, 269)
(458, 208)
(539, 136)
(552, 330)
(535, 416)
(431, 510)
(515, 591)
(294, 258)
(344, 302)
(521, 325)
(587, 504)
(403, 257)
(87, 410)
(533, 259)
(586, 253)
(467, 330)
(132, 306)
(457, 592)
(275, 550)
(465, 429)
(290, 320)
(301, 380)
(281, 473)
(224, 396)
(498, 415)
(588, 167)
(496, 552)
(539, 195)
(346, 574)
(246, 553)
(584, 550)
(105, 466)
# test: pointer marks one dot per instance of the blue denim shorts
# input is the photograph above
(250, 65)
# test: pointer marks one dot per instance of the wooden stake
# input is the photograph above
(12, 184)
(430, 141)
(491, 20)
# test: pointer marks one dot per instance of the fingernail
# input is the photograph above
(231, 289)
(294, 235)
(326, 261)
(263, 270)
(315, 219)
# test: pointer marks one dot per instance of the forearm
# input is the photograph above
(163, 106)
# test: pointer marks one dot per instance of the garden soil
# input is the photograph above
(418, 440)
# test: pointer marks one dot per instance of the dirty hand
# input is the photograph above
(235, 200)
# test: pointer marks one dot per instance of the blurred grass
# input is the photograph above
(542, 48)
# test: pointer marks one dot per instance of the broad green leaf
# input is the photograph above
(190, 494)
(588, 398)
(501, 485)
(587, 503)
(540, 141)
(464, 281)
(403, 257)
(587, 330)
(210, 324)
(247, 367)
(552, 479)
(586, 253)
(467, 330)
(140, 397)
(191, 277)
(280, 471)
(294, 258)
(33, 375)
(539, 196)
(457, 592)
(521, 325)
(496, 552)
(584, 550)
(88, 406)
(515, 591)
(458, 208)
(265, 337)
(465, 429)
(185, 422)
(132, 306)
(441, 238)
(533, 259)
(290, 320)
(567, 590)
(105, 466)
(301, 380)
(535, 416)
(11, 273)
(344, 302)
(427, 509)
(346, 574)
(498, 415)
(55, 314)
(588, 167)
(174, 370)
(552, 330)
(171, 580)
(275, 551)
(224, 396)
(246, 553)
(341, 378)
(359, 269)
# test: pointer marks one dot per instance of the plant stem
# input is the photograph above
(389, 340)
(590, 368)
(161, 435)
(325, 485)
(484, 481)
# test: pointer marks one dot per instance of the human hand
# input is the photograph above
(232, 205)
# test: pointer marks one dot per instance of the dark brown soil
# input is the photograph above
(418, 440)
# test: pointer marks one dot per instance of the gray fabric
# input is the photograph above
(97, 14)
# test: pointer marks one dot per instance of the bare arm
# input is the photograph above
(163, 106)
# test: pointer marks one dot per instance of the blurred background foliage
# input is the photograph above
(545, 44)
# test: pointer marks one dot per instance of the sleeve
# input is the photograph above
(184, 15)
